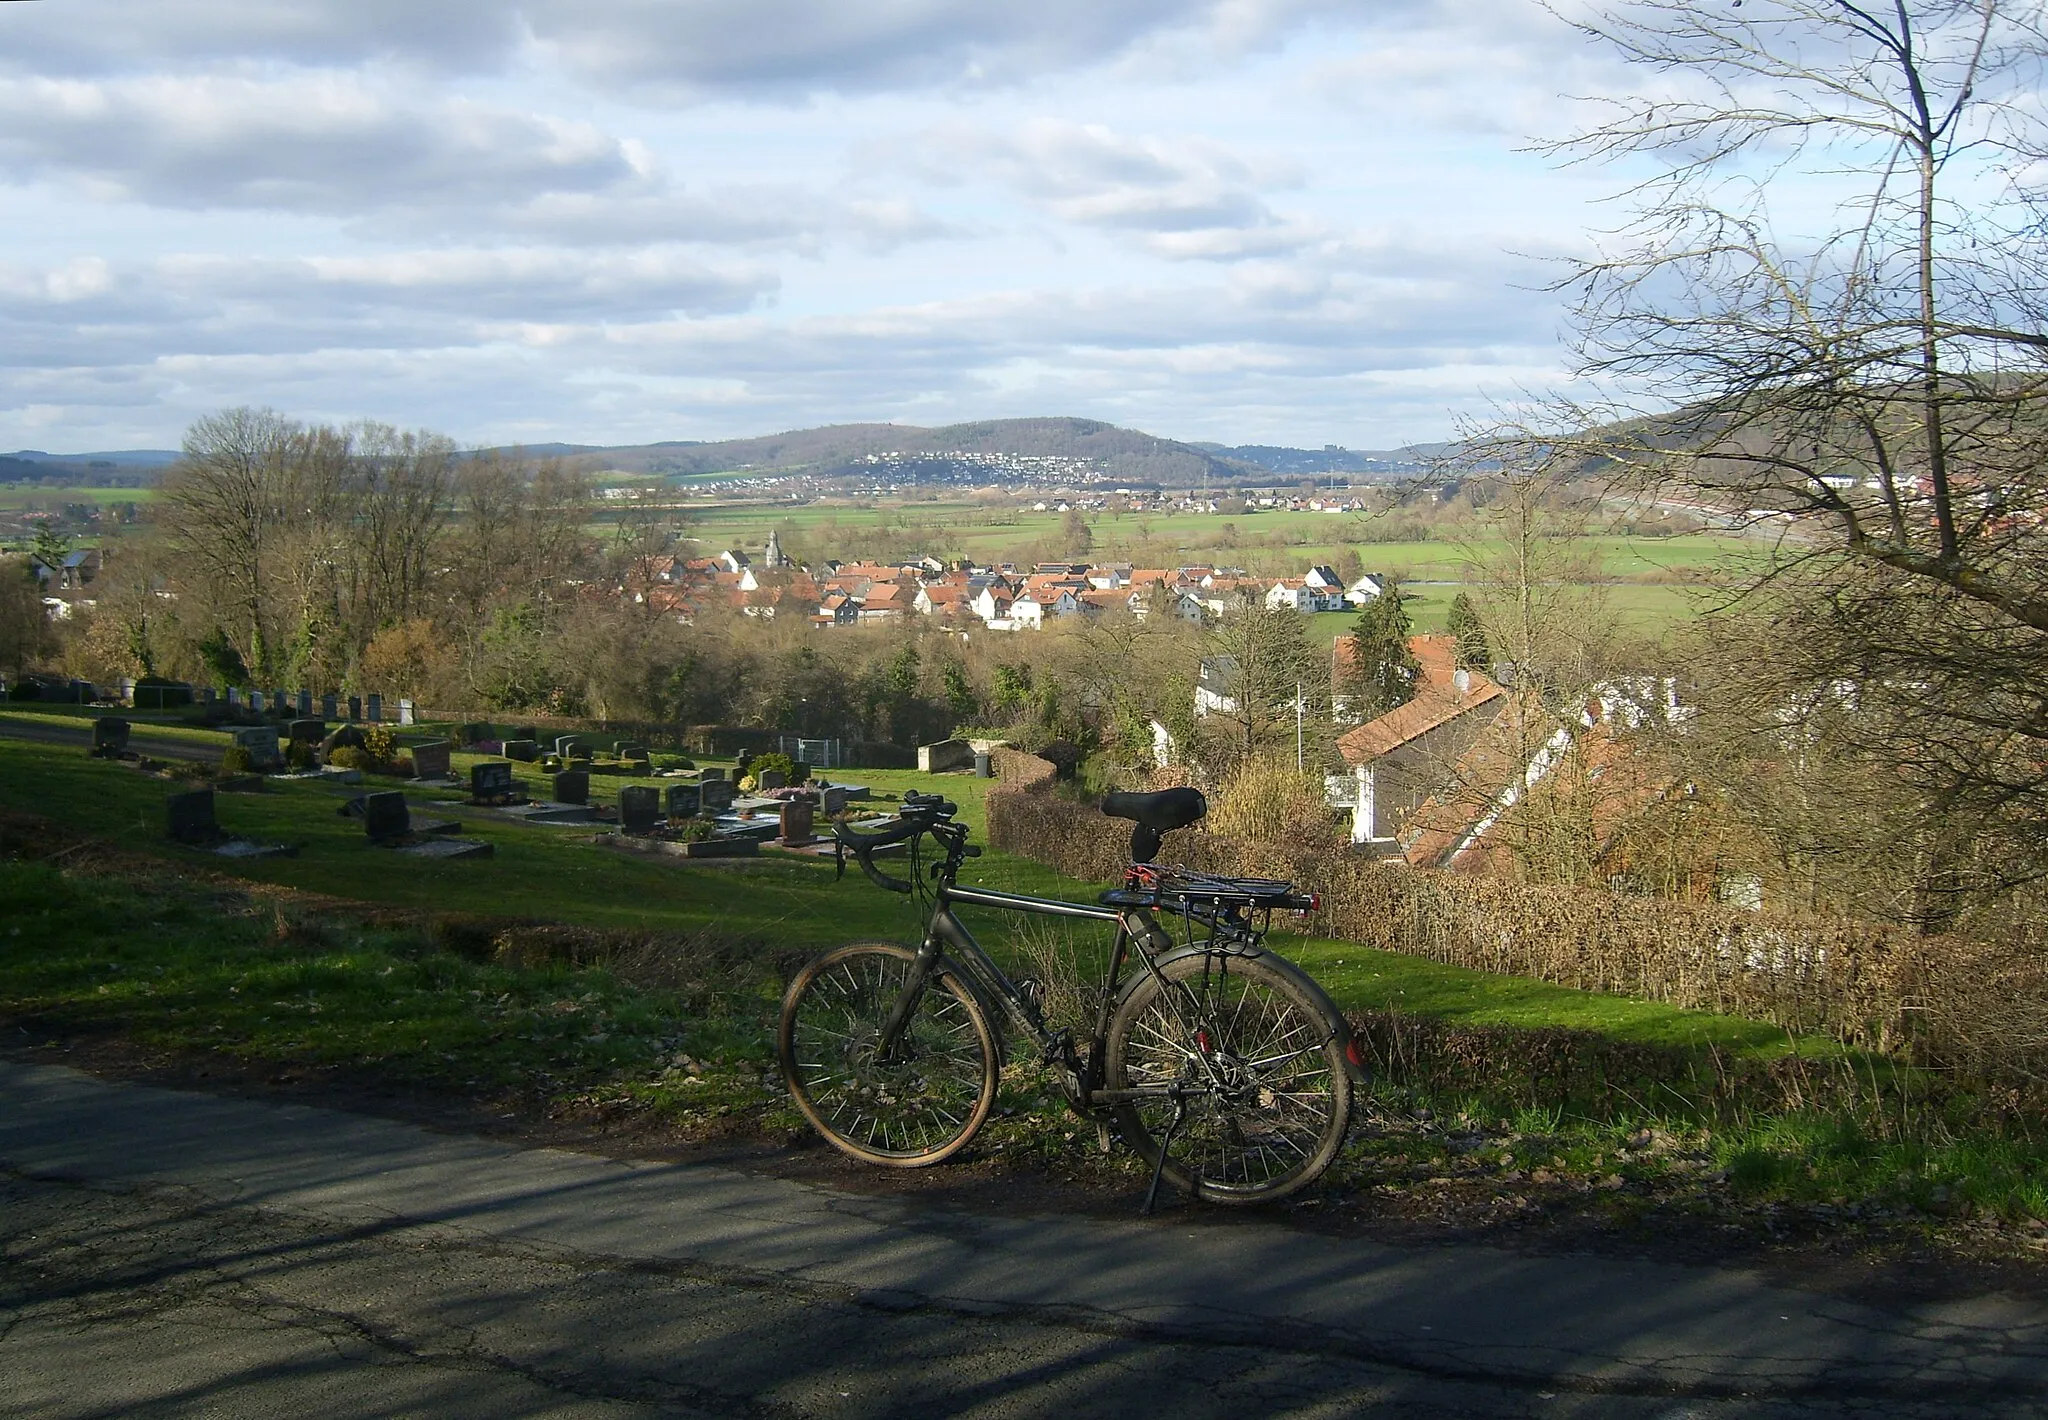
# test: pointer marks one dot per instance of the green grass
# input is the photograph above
(184, 965)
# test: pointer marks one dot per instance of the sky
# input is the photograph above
(1299, 222)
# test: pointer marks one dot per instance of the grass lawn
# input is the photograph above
(558, 874)
(172, 962)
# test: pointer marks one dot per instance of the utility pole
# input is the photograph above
(1298, 766)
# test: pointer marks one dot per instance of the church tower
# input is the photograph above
(774, 556)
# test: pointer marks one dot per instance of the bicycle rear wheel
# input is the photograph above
(1263, 1097)
(921, 1103)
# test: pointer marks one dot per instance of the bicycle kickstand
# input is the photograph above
(1180, 1112)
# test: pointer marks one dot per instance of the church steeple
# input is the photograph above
(773, 556)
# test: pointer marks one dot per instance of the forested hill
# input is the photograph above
(1122, 453)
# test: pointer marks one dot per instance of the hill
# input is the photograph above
(1122, 455)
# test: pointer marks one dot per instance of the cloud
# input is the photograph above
(346, 146)
(1185, 198)
(677, 48)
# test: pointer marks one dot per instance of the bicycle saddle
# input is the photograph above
(1155, 815)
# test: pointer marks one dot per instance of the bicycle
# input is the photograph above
(1225, 1067)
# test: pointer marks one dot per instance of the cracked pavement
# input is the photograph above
(173, 1254)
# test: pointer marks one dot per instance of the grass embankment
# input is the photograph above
(664, 1001)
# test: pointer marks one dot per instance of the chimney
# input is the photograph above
(1461, 681)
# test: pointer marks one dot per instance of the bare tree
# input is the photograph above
(1872, 383)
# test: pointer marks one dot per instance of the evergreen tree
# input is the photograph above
(51, 548)
(1463, 622)
(1384, 671)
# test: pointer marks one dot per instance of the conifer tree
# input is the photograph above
(1384, 671)
(1463, 622)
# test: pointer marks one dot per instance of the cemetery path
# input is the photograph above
(165, 1253)
(140, 740)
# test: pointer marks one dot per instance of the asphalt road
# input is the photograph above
(172, 1254)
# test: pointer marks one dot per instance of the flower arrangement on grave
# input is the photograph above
(697, 830)
(749, 784)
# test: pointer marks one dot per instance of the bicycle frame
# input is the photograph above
(948, 939)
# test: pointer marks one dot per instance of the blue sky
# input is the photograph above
(1290, 221)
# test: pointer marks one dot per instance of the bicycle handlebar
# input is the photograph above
(920, 814)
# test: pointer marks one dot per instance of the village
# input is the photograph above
(962, 595)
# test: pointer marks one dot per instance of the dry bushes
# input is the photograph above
(1976, 1008)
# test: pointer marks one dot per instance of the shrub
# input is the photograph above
(674, 761)
(404, 767)
(697, 830)
(235, 760)
(349, 757)
(764, 763)
(24, 690)
(299, 755)
(381, 741)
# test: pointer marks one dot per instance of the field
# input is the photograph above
(1647, 583)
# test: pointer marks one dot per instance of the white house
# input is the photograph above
(1365, 589)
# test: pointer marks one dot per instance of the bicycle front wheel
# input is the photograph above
(1241, 1077)
(919, 1102)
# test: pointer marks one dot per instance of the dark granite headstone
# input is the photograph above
(801, 773)
(355, 708)
(639, 808)
(796, 823)
(386, 816)
(772, 779)
(491, 782)
(261, 743)
(305, 704)
(570, 746)
(684, 801)
(330, 706)
(835, 802)
(707, 775)
(430, 760)
(109, 737)
(256, 701)
(717, 795)
(308, 732)
(191, 817)
(525, 751)
(373, 705)
(572, 786)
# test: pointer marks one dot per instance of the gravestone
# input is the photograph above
(525, 751)
(261, 744)
(344, 737)
(207, 696)
(639, 808)
(835, 802)
(128, 691)
(742, 763)
(191, 817)
(717, 795)
(772, 779)
(684, 801)
(800, 773)
(945, 755)
(256, 701)
(304, 701)
(234, 696)
(707, 775)
(330, 706)
(109, 738)
(308, 732)
(405, 712)
(572, 786)
(280, 704)
(572, 747)
(386, 816)
(355, 708)
(492, 783)
(430, 760)
(373, 705)
(796, 823)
